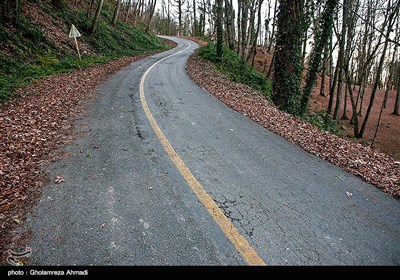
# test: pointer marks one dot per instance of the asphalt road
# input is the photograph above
(124, 202)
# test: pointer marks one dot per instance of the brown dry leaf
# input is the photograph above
(59, 180)
(102, 225)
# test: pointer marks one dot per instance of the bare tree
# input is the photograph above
(116, 12)
(96, 16)
(396, 110)
(254, 44)
(128, 10)
(390, 76)
(341, 56)
(179, 5)
(271, 40)
(89, 11)
(392, 12)
(245, 5)
(229, 23)
(322, 39)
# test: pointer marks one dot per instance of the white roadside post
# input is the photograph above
(73, 32)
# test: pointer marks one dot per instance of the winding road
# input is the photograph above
(162, 173)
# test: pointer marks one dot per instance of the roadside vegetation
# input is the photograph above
(236, 68)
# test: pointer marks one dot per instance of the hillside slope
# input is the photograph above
(387, 139)
(38, 44)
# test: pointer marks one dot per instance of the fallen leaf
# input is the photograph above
(59, 180)
(102, 225)
(17, 221)
(14, 262)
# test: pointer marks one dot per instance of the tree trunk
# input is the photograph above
(254, 45)
(240, 3)
(271, 66)
(195, 23)
(128, 10)
(10, 11)
(380, 116)
(344, 116)
(169, 16)
(273, 26)
(151, 9)
(340, 62)
(288, 66)
(266, 25)
(322, 39)
(251, 29)
(116, 12)
(332, 91)
(353, 104)
(229, 22)
(179, 3)
(324, 68)
(220, 31)
(89, 11)
(243, 24)
(394, 11)
(96, 16)
(396, 110)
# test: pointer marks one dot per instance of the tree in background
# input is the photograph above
(96, 16)
(230, 24)
(179, 5)
(322, 40)
(392, 14)
(116, 12)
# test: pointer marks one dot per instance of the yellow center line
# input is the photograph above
(230, 231)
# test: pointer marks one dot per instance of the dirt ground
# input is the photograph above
(388, 137)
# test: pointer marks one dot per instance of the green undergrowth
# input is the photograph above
(29, 54)
(236, 69)
(325, 122)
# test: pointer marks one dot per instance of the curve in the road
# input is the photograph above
(230, 231)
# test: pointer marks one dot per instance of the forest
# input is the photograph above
(351, 47)
(346, 51)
